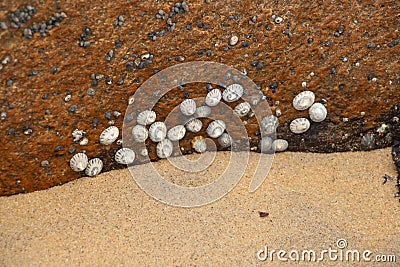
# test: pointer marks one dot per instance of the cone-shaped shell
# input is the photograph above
(216, 128)
(109, 135)
(125, 156)
(157, 131)
(94, 167)
(78, 162)
(140, 133)
(299, 125)
(176, 133)
(242, 109)
(317, 112)
(188, 107)
(233, 92)
(164, 149)
(213, 97)
(194, 125)
(146, 117)
(304, 100)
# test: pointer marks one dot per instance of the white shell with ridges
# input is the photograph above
(176, 133)
(304, 100)
(199, 144)
(233, 92)
(157, 131)
(78, 162)
(299, 125)
(317, 112)
(269, 124)
(146, 117)
(194, 125)
(242, 109)
(164, 149)
(94, 167)
(125, 156)
(216, 128)
(280, 145)
(225, 140)
(109, 135)
(188, 107)
(140, 133)
(203, 112)
(213, 97)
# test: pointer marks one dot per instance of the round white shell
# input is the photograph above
(157, 131)
(299, 125)
(265, 144)
(225, 140)
(203, 112)
(280, 145)
(199, 145)
(94, 167)
(242, 109)
(140, 133)
(269, 124)
(213, 97)
(109, 135)
(188, 107)
(216, 128)
(194, 125)
(233, 92)
(164, 149)
(304, 100)
(176, 133)
(144, 152)
(146, 117)
(317, 112)
(125, 156)
(78, 162)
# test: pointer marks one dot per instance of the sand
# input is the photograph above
(313, 200)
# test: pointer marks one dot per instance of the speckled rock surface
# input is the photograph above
(346, 53)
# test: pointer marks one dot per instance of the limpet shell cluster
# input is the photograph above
(109, 135)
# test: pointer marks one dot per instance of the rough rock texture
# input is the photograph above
(347, 52)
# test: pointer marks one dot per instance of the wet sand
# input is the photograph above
(312, 200)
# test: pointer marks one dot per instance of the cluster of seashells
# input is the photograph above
(317, 112)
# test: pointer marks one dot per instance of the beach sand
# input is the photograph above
(312, 201)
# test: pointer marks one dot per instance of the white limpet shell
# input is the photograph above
(109, 135)
(303, 100)
(265, 144)
(140, 133)
(78, 162)
(194, 125)
(216, 128)
(317, 112)
(233, 92)
(164, 149)
(157, 131)
(94, 167)
(213, 97)
(188, 107)
(225, 140)
(203, 112)
(242, 109)
(199, 144)
(176, 133)
(299, 125)
(125, 156)
(146, 117)
(280, 145)
(269, 124)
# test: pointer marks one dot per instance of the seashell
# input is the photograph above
(233, 92)
(94, 167)
(265, 144)
(78, 162)
(213, 97)
(109, 135)
(304, 100)
(299, 125)
(140, 133)
(199, 144)
(188, 107)
(317, 112)
(194, 125)
(203, 112)
(225, 140)
(164, 149)
(157, 131)
(216, 128)
(279, 145)
(125, 156)
(242, 109)
(146, 117)
(176, 133)
(269, 124)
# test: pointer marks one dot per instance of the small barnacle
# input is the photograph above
(157, 131)
(78, 162)
(164, 149)
(146, 117)
(242, 109)
(125, 156)
(194, 125)
(94, 167)
(188, 107)
(225, 140)
(280, 145)
(303, 100)
(199, 144)
(213, 97)
(317, 112)
(109, 135)
(233, 92)
(299, 125)
(176, 133)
